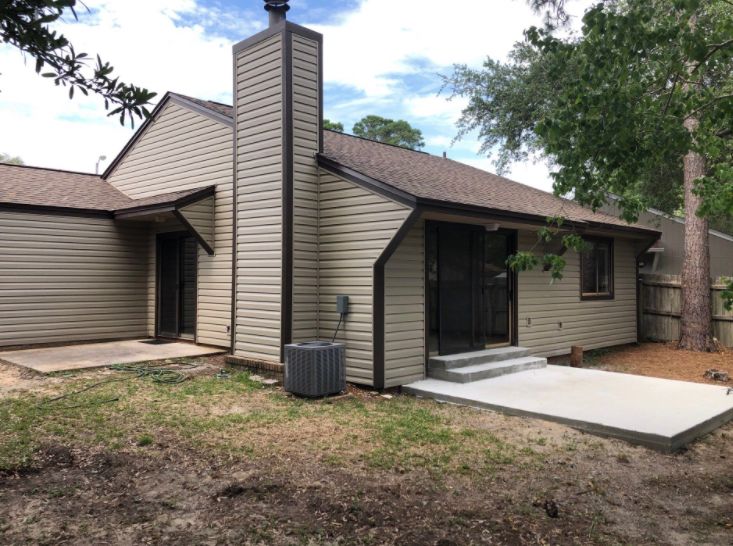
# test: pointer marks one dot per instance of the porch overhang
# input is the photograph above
(193, 209)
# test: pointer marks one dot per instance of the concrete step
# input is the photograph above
(449, 362)
(487, 370)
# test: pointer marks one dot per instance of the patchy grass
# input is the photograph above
(239, 417)
(229, 460)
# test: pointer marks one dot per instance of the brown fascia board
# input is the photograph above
(213, 114)
(168, 97)
(49, 209)
(435, 205)
(169, 206)
(366, 182)
(130, 143)
(183, 220)
(283, 26)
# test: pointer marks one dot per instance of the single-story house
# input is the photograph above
(237, 226)
(666, 255)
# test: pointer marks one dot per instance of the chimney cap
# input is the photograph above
(277, 10)
(277, 5)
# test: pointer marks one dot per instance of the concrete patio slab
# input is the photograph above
(659, 413)
(97, 355)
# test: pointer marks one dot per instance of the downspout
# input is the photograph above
(639, 307)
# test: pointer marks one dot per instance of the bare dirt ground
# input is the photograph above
(663, 360)
(222, 459)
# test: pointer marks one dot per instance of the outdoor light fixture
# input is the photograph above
(100, 158)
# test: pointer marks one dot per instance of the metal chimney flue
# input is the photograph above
(277, 10)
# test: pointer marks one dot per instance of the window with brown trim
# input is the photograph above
(596, 269)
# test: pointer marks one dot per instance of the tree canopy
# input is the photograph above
(333, 125)
(26, 24)
(12, 159)
(639, 104)
(607, 108)
(389, 131)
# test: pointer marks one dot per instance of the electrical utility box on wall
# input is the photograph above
(342, 305)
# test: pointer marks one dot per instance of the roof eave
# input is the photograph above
(165, 206)
(365, 181)
(51, 209)
(413, 201)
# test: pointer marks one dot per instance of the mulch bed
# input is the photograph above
(666, 361)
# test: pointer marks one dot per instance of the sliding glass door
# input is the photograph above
(469, 287)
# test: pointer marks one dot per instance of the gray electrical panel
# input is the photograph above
(342, 304)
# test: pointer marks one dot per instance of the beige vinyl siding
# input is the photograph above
(183, 150)
(404, 323)
(258, 106)
(67, 278)
(355, 226)
(305, 190)
(201, 217)
(559, 318)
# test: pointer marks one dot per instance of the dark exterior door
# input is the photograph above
(457, 288)
(470, 288)
(177, 264)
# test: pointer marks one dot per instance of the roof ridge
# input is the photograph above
(196, 99)
(382, 143)
(49, 169)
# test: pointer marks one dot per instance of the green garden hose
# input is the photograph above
(160, 373)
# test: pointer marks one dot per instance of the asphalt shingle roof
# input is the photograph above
(431, 177)
(421, 175)
(24, 185)
(436, 178)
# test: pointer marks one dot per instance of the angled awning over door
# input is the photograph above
(198, 217)
(194, 209)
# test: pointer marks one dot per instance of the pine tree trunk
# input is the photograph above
(696, 323)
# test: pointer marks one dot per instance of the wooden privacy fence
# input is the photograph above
(660, 304)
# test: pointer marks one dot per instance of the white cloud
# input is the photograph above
(381, 38)
(374, 55)
(147, 43)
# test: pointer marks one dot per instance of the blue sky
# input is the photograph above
(381, 57)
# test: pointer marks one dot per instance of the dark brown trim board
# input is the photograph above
(169, 96)
(366, 182)
(637, 286)
(276, 29)
(286, 301)
(612, 272)
(60, 211)
(178, 235)
(209, 113)
(193, 231)
(447, 207)
(139, 133)
(233, 319)
(514, 338)
(378, 297)
(166, 206)
(286, 309)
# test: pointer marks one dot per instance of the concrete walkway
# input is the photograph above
(97, 355)
(658, 413)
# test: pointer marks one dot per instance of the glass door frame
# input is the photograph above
(179, 238)
(432, 288)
